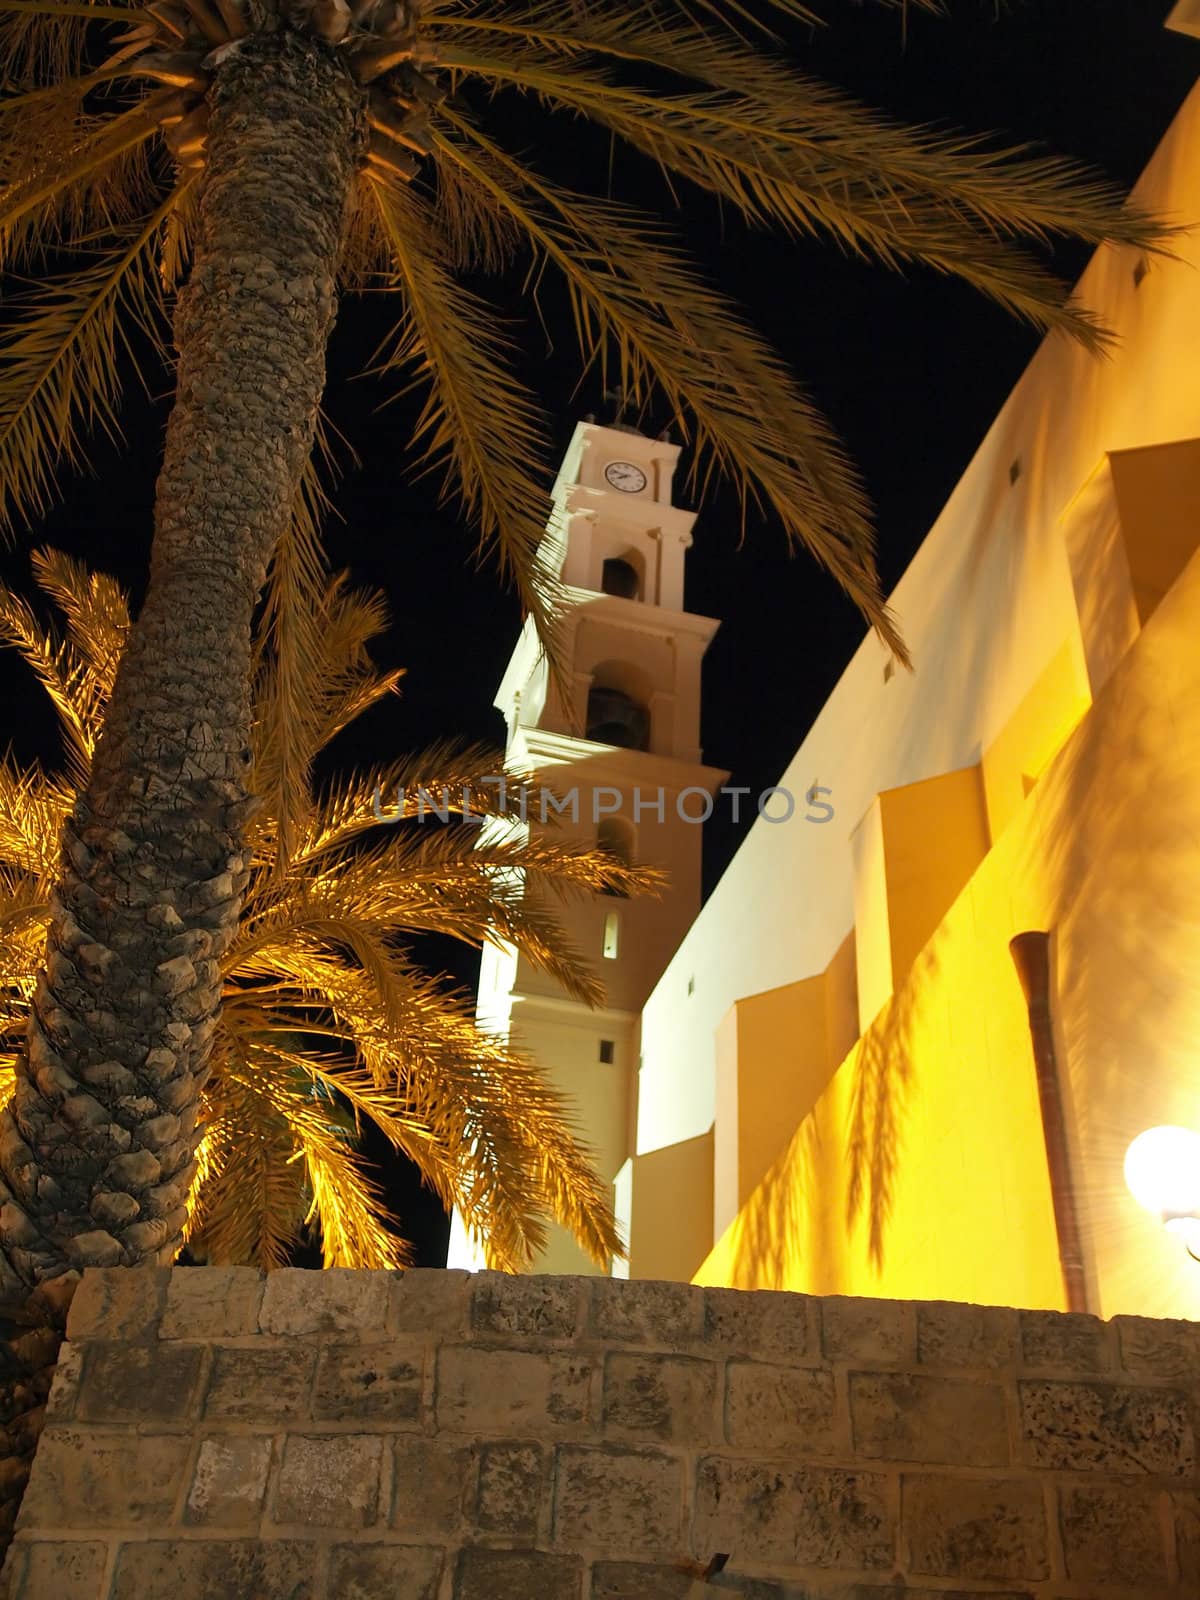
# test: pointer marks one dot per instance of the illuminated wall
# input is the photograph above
(1039, 770)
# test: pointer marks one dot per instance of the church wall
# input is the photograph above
(1014, 589)
(921, 1170)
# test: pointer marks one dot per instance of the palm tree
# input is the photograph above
(326, 1021)
(224, 170)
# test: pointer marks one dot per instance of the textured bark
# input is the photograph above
(96, 1150)
(97, 1144)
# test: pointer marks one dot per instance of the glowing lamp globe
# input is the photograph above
(1162, 1169)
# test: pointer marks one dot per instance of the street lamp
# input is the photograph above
(1162, 1169)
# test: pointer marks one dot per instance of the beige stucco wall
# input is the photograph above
(930, 1176)
(986, 605)
(429, 1436)
(1024, 601)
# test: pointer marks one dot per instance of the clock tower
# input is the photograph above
(621, 752)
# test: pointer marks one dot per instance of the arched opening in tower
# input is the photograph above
(621, 578)
(616, 718)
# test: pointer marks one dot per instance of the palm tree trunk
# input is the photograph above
(96, 1151)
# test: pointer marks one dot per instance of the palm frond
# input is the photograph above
(247, 1210)
(477, 418)
(445, 881)
(500, 1146)
(291, 657)
(24, 916)
(728, 390)
(442, 776)
(97, 617)
(789, 152)
(62, 673)
(48, 38)
(33, 808)
(94, 178)
(61, 361)
(349, 1205)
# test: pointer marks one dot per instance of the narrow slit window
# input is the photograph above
(612, 936)
(608, 1052)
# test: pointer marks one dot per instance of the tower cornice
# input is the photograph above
(541, 748)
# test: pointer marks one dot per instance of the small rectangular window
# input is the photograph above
(608, 1051)
(691, 985)
(612, 935)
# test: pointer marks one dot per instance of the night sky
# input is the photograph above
(911, 369)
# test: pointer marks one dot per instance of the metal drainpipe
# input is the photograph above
(1031, 953)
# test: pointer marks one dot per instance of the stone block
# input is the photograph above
(525, 1307)
(434, 1302)
(667, 1316)
(1064, 1341)
(513, 1488)
(871, 1332)
(433, 1484)
(630, 1580)
(626, 1580)
(118, 1303)
(277, 1569)
(876, 1591)
(1110, 1427)
(229, 1481)
(140, 1382)
(378, 1382)
(803, 1516)
(82, 1480)
(864, 1591)
(670, 1399)
(56, 1570)
(623, 1501)
(1113, 1535)
(385, 1572)
(516, 1575)
(953, 1335)
(64, 1391)
(482, 1389)
(338, 1300)
(212, 1303)
(780, 1410)
(751, 1322)
(268, 1380)
(1158, 1349)
(329, 1480)
(975, 1527)
(910, 1417)
(1185, 1513)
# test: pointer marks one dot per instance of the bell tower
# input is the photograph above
(622, 754)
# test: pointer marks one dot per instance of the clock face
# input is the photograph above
(625, 476)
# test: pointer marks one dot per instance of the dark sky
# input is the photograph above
(912, 370)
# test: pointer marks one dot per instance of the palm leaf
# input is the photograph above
(33, 808)
(477, 417)
(61, 671)
(61, 360)
(785, 151)
(727, 389)
(94, 178)
(97, 618)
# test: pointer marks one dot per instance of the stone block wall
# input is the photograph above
(433, 1436)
